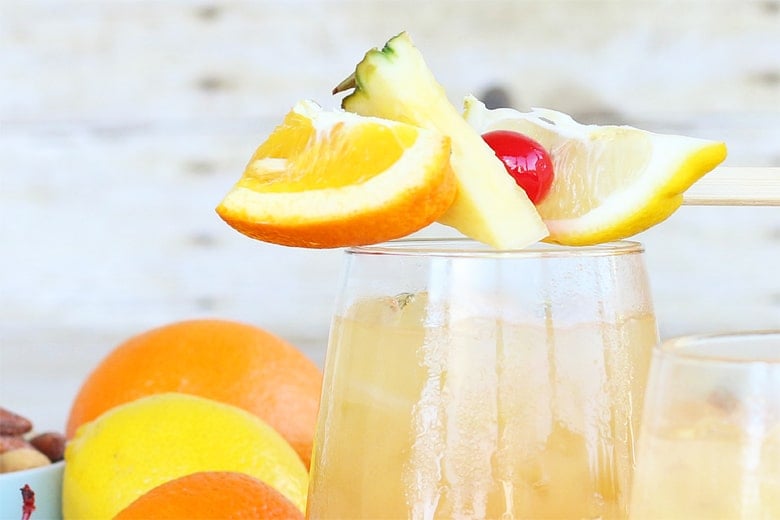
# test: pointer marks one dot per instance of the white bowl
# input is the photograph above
(46, 483)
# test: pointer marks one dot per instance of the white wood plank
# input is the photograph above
(172, 60)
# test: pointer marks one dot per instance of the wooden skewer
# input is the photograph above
(736, 186)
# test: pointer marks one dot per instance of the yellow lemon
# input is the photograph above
(137, 446)
(610, 182)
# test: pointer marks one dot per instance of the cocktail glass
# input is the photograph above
(710, 441)
(464, 382)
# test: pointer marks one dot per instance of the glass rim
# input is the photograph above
(467, 247)
(692, 347)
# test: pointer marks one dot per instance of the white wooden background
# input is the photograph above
(122, 123)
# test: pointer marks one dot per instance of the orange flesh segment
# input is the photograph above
(298, 146)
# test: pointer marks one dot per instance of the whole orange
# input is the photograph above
(231, 362)
(211, 494)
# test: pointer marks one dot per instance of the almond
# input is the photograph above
(13, 424)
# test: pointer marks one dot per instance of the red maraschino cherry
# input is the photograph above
(525, 160)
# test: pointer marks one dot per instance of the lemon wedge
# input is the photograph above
(611, 182)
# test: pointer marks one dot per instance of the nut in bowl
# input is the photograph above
(44, 481)
(31, 469)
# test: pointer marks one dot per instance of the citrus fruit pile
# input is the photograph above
(400, 156)
(195, 419)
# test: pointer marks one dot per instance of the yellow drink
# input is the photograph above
(450, 414)
(710, 440)
(465, 382)
(690, 476)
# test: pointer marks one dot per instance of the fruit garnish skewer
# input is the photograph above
(736, 186)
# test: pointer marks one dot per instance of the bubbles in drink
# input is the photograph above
(539, 424)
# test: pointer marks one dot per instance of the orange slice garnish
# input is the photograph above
(328, 179)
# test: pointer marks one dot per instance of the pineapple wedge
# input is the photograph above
(395, 83)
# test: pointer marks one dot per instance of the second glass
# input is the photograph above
(710, 443)
(462, 382)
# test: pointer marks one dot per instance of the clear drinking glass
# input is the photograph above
(710, 441)
(464, 382)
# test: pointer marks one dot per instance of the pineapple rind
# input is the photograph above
(395, 83)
